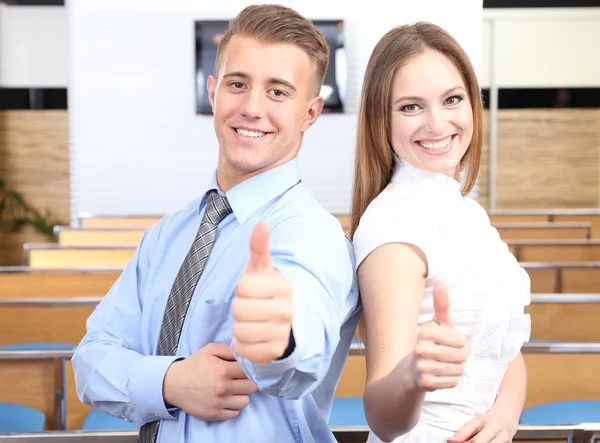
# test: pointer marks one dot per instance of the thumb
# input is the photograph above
(441, 305)
(260, 254)
(469, 430)
(221, 351)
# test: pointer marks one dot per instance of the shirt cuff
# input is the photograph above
(269, 376)
(146, 388)
(265, 376)
(290, 347)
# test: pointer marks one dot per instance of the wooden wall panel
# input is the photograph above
(484, 170)
(34, 161)
(546, 158)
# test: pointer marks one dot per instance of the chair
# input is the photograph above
(20, 418)
(99, 421)
(61, 394)
(40, 346)
(566, 412)
(347, 411)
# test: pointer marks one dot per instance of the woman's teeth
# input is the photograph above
(437, 146)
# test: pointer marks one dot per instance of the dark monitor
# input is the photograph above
(209, 32)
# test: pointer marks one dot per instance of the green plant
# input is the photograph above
(15, 214)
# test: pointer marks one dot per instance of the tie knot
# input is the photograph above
(217, 208)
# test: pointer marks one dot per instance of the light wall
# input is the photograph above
(137, 145)
(537, 47)
(33, 47)
(541, 47)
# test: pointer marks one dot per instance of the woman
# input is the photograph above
(443, 297)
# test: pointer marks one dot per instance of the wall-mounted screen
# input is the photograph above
(209, 32)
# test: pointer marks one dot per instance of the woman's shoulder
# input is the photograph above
(476, 211)
(391, 202)
(391, 218)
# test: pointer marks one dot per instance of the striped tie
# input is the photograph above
(217, 208)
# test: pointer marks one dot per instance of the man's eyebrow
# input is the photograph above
(271, 81)
(236, 74)
(280, 81)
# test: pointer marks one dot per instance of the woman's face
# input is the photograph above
(432, 118)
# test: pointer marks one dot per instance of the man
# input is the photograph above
(256, 353)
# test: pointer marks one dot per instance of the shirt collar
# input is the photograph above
(250, 195)
(405, 172)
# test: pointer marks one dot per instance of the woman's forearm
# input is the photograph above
(512, 393)
(393, 403)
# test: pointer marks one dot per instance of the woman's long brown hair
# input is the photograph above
(373, 157)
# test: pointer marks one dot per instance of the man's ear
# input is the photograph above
(315, 108)
(211, 86)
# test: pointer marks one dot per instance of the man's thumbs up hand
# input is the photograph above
(262, 309)
(260, 254)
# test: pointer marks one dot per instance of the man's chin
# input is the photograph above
(250, 165)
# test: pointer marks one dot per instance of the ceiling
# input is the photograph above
(486, 3)
(34, 2)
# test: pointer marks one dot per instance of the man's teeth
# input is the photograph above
(250, 133)
(437, 145)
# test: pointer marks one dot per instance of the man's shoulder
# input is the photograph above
(306, 214)
(306, 233)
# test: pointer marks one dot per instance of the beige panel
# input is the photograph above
(518, 218)
(556, 253)
(554, 440)
(34, 161)
(31, 383)
(76, 410)
(551, 377)
(550, 232)
(593, 219)
(38, 283)
(554, 377)
(352, 381)
(565, 321)
(581, 281)
(119, 222)
(78, 258)
(29, 324)
(544, 281)
(565, 280)
(100, 237)
(344, 219)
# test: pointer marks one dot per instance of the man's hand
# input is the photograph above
(262, 308)
(209, 384)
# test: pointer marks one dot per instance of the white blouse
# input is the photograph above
(487, 288)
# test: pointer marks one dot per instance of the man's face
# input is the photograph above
(263, 100)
